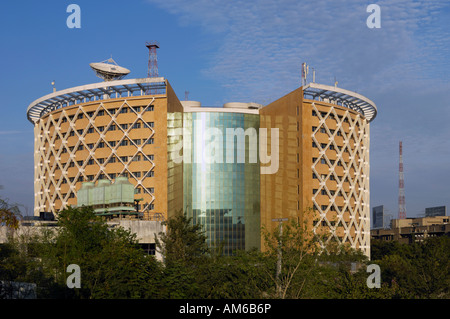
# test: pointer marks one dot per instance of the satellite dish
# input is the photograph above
(109, 70)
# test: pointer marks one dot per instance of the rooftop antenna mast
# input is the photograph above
(401, 186)
(305, 70)
(186, 95)
(152, 71)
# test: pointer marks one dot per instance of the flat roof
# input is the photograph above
(94, 92)
(219, 109)
(341, 97)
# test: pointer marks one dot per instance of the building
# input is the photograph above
(411, 230)
(104, 130)
(324, 140)
(436, 211)
(378, 216)
(222, 193)
(318, 137)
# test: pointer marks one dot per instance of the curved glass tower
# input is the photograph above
(221, 176)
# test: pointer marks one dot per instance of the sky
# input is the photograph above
(245, 51)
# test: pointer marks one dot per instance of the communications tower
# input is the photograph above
(401, 186)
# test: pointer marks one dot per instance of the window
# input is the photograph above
(315, 190)
(112, 175)
(80, 163)
(314, 176)
(151, 174)
(80, 147)
(151, 206)
(151, 124)
(72, 195)
(124, 158)
(124, 126)
(338, 133)
(101, 145)
(322, 130)
(72, 133)
(101, 160)
(71, 164)
(137, 108)
(101, 128)
(151, 190)
(137, 174)
(323, 161)
(91, 162)
(90, 114)
(314, 128)
(124, 143)
(314, 144)
(80, 132)
(101, 113)
(137, 190)
(137, 141)
(137, 158)
(112, 127)
(112, 143)
(90, 146)
(150, 108)
(124, 110)
(80, 116)
(150, 141)
(323, 192)
(90, 130)
(314, 113)
(112, 159)
(113, 111)
(136, 125)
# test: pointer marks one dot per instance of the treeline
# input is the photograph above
(113, 265)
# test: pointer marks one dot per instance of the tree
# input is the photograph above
(111, 262)
(182, 242)
(9, 214)
(295, 250)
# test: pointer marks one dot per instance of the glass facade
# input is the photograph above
(221, 178)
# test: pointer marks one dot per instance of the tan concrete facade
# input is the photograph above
(324, 167)
(104, 139)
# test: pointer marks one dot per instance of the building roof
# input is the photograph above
(345, 98)
(93, 92)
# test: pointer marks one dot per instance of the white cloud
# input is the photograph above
(264, 42)
(403, 67)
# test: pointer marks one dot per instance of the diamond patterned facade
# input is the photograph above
(104, 136)
(324, 164)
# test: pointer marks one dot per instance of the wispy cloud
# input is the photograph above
(403, 67)
(264, 42)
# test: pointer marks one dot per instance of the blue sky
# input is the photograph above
(223, 51)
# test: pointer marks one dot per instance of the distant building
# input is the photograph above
(436, 211)
(411, 230)
(378, 217)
